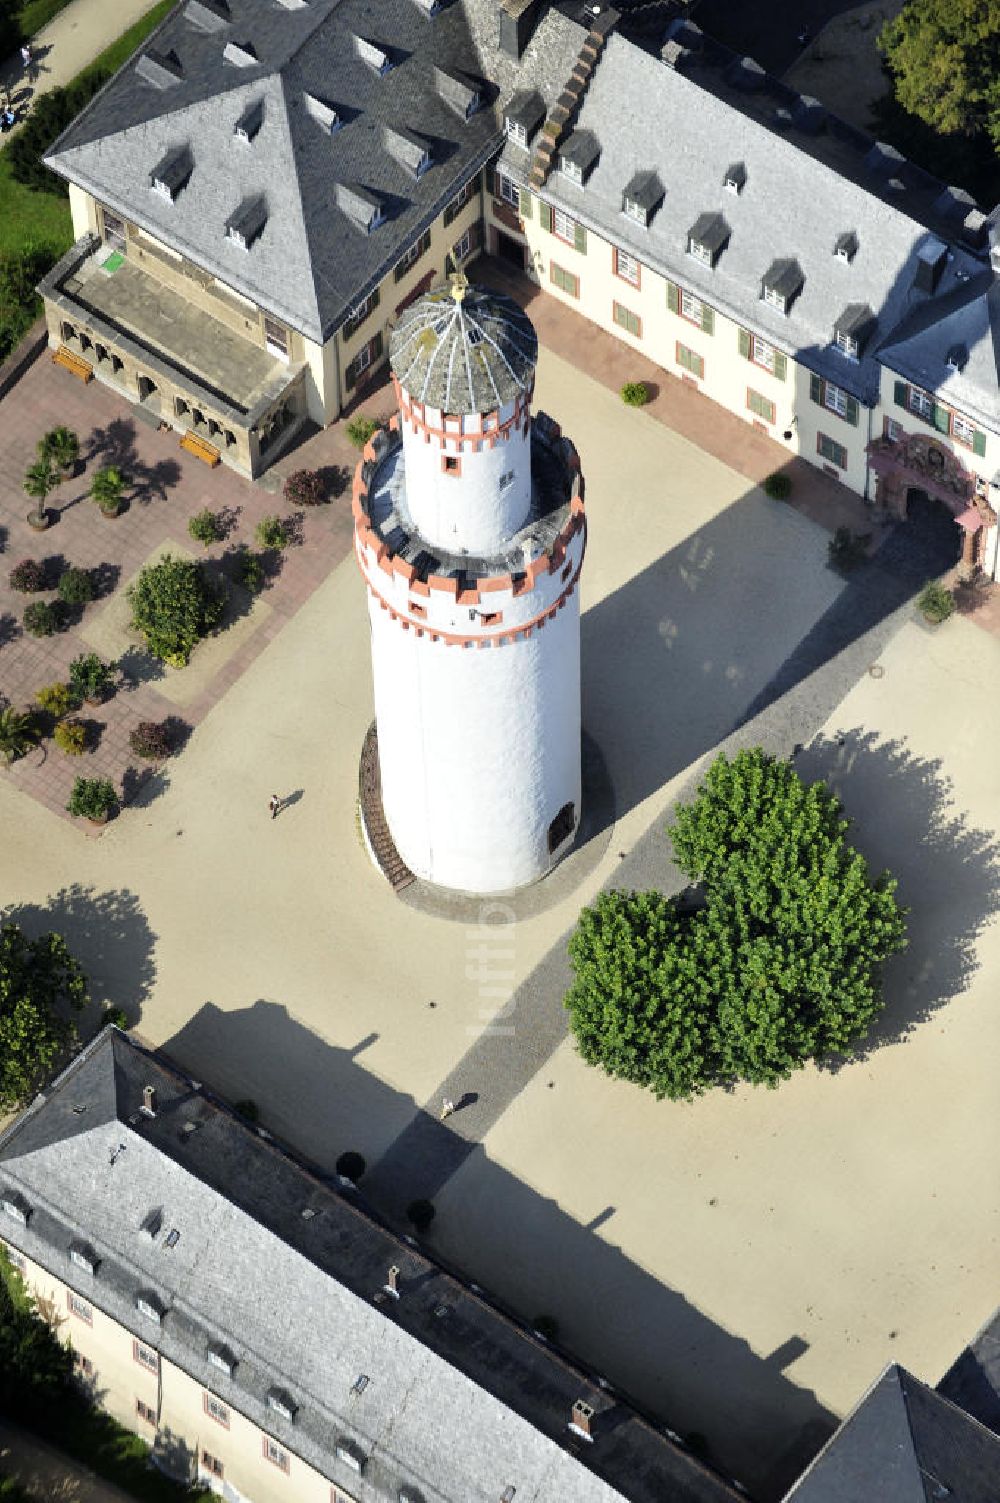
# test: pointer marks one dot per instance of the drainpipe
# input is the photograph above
(868, 468)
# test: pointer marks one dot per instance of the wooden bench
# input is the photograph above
(201, 449)
(75, 364)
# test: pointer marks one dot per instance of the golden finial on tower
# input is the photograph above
(459, 281)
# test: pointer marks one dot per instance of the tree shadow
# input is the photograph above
(323, 1100)
(335, 478)
(137, 666)
(105, 579)
(141, 786)
(178, 732)
(108, 933)
(4, 538)
(948, 871)
(10, 628)
(115, 445)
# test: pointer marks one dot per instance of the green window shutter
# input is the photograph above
(545, 217)
(377, 348)
(375, 299)
(816, 390)
(449, 214)
(350, 376)
(707, 319)
(851, 415)
(673, 297)
(780, 365)
(744, 339)
(979, 443)
(899, 393)
(524, 203)
(942, 419)
(580, 239)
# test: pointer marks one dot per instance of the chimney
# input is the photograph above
(392, 1282)
(149, 1101)
(582, 1421)
(517, 22)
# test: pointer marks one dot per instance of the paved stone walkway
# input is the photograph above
(47, 1474)
(68, 42)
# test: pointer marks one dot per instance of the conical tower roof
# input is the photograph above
(464, 349)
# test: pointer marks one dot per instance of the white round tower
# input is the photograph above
(470, 534)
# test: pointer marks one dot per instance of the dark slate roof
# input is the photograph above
(803, 189)
(973, 1382)
(967, 317)
(330, 120)
(468, 353)
(245, 1248)
(904, 1443)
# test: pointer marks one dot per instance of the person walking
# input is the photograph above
(447, 1107)
(274, 804)
(27, 61)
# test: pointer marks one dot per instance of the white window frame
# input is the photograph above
(363, 358)
(273, 348)
(692, 307)
(571, 170)
(509, 192)
(145, 1307)
(567, 234)
(762, 353)
(219, 1360)
(775, 299)
(893, 430)
(216, 1409)
(81, 1259)
(835, 398)
(15, 1210)
(635, 211)
(699, 252)
(847, 344)
(516, 132)
(79, 1307)
(461, 198)
(920, 402)
(463, 246)
(624, 262)
(968, 434)
(145, 1356)
(276, 1455)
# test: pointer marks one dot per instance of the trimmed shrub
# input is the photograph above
(305, 488)
(18, 733)
(56, 700)
(20, 272)
(205, 527)
(271, 532)
(41, 619)
(93, 798)
(28, 576)
(360, 429)
(150, 740)
(778, 487)
(174, 604)
(107, 489)
(935, 602)
(89, 677)
(61, 446)
(635, 394)
(249, 571)
(76, 587)
(351, 1166)
(71, 737)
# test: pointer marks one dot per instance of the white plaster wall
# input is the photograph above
(83, 211)
(471, 509)
(479, 749)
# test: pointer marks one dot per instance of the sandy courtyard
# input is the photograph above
(746, 1264)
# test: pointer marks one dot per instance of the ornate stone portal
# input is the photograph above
(918, 461)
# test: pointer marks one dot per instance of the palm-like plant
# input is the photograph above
(40, 480)
(106, 488)
(18, 733)
(62, 446)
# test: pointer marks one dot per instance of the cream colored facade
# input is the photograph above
(169, 1409)
(308, 380)
(699, 344)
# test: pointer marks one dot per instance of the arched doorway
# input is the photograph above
(935, 534)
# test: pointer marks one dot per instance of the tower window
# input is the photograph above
(561, 827)
(451, 464)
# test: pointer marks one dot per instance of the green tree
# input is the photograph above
(35, 1367)
(40, 480)
(41, 986)
(18, 733)
(174, 605)
(780, 965)
(944, 56)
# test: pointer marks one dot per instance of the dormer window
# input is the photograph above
(363, 207)
(735, 179)
(221, 1357)
(846, 246)
(282, 1403)
(82, 1255)
(147, 1305)
(577, 158)
(375, 56)
(852, 329)
(523, 116)
(707, 238)
(641, 197)
(171, 173)
(16, 1207)
(571, 170)
(781, 285)
(247, 223)
(460, 94)
(323, 112)
(250, 121)
(956, 357)
(351, 1456)
(847, 344)
(410, 151)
